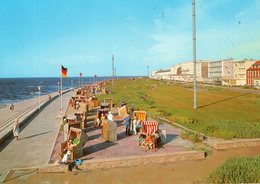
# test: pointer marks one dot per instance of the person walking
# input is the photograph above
(16, 128)
(12, 107)
(127, 124)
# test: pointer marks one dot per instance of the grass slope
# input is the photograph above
(221, 112)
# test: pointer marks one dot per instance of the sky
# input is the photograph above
(37, 36)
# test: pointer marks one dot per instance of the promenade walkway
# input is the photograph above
(36, 138)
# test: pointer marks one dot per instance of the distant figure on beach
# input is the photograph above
(49, 97)
(16, 128)
(12, 107)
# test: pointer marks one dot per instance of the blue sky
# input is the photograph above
(36, 36)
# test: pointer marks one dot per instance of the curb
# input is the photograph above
(203, 136)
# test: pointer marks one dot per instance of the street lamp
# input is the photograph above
(148, 72)
(58, 87)
(194, 54)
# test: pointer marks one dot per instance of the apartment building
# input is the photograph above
(215, 70)
(221, 70)
(239, 70)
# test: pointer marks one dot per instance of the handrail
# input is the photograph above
(9, 121)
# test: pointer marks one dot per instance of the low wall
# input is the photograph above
(231, 144)
(219, 144)
(130, 161)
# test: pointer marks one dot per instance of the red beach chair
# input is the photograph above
(149, 127)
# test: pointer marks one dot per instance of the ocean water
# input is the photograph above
(17, 89)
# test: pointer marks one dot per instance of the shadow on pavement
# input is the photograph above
(170, 138)
(97, 147)
(92, 137)
(35, 135)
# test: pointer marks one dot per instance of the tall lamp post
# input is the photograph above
(194, 53)
(148, 71)
(113, 70)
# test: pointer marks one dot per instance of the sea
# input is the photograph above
(13, 90)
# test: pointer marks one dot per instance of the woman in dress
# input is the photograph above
(16, 128)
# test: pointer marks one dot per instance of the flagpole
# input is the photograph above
(61, 94)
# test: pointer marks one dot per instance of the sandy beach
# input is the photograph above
(2, 106)
(21, 106)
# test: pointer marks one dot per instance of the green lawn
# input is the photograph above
(237, 170)
(221, 112)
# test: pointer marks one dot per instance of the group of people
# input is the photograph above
(74, 103)
(99, 118)
(66, 157)
(149, 141)
(132, 124)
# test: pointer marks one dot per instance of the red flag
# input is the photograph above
(64, 71)
(80, 74)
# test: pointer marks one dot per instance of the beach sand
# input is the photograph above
(20, 107)
(2, 106)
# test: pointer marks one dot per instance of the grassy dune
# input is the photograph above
(221, 112)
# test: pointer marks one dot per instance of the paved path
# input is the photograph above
(36, 139)
(125, 146)
(97, 148)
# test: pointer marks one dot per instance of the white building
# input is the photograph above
(221, 70)
(239, 72)
(185, 71)
(161, 74)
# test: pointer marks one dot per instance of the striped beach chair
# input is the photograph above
(149, 127)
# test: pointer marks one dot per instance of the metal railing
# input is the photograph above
(10, 120)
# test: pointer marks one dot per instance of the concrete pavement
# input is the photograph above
(36, 139)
